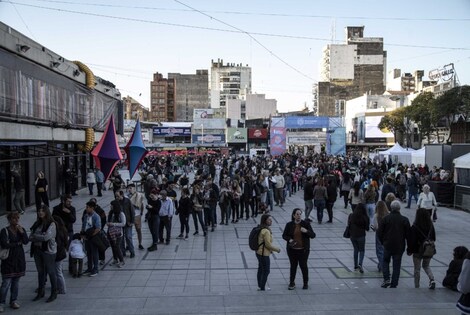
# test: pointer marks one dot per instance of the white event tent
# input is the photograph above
(398, 154)
(419, 156)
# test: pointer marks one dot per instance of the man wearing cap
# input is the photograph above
(393, 233)
(137, 201)
(167, 210)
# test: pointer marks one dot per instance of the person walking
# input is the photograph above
(370, 196)
(413, 187)
(18, 184)
(90, 180)
(40, 190)
(381, 210)
(266, 247)
(358, 222)
(297, 233)
(332, 192)
(393, 233)
(421, 230)
(308, 197)
(355, 195)
(185, 207)
(12, 237)
(99, 181)
(345, 187)
(427, 200)
(198, 200)
(44, 249)
(319, 199)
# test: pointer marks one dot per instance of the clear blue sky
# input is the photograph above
(129, 47)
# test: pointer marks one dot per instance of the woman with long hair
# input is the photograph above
(44, 250)
(297, 233)
(358, 222)
(381, 210)
(388, 200)
(185, 207)
(41, 187)
(345, 187)
(265, 248)
(116, 222)
(421, 230)
(198, 201)
(355, 195)
(319, 199)
(370, 196)
(236, 192)
(62, 240)
(224, 202)
(12, 237)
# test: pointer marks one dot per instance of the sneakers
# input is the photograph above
(432, 285)
(93, 274)
(141, 247)
(113, 263)
(180, 236)
(291, 286)
(132, 255)
(101, 262)
(386, 284)
(121, 264)
(361, 270)
(186, 237)
(196, 233)
(305, 287)
(14, 305)
(152, 248)
(86, 273)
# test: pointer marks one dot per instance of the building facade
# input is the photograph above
(191, 91)
(349, 70)
(255, 106)
(134, 110)
(162, 99)
(229, 82)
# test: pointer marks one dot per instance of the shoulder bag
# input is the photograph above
(5, 252)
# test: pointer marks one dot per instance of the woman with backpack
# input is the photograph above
(421, 231)
(266, 247)
(297, 233)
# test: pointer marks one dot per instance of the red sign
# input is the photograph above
(257, 133)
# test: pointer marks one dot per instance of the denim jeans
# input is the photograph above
(359, 244)
(269, 200)
(127, 240)
(12, 284)
(396, 266)
(92, 256)
(60, 277)
(370, 210)
(45, 265)
(90, 188)
(417, 261)
(411, 195)
(154, 226)
(320, 205)
(18, 200)
(289, 189)
(379, 251)
(264, 265)
(198, 215)
(308, 208)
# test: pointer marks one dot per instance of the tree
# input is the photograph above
(423, 112)
(393, 121)
(453, 104)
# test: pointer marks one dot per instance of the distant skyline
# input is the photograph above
(125, 42)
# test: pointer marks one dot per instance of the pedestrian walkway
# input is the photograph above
(217, 274)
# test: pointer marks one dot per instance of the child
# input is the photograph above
(455, 267)
(76, 254)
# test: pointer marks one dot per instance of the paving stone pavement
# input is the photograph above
(217, 274)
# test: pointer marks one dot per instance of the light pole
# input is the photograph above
(202, 134)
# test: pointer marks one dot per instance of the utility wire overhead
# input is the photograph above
(385, 18)
(326, 40)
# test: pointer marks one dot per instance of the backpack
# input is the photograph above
(253, 238)
(428, 248)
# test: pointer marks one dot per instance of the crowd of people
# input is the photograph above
(242, 188)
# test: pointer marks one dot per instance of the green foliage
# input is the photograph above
(423, 112)
(393, 121)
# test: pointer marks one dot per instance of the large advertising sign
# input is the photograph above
(446, 73)
(257, 133)
(306, 138)
(213, 123)
(171, 131)
(373, 130)
(237, 135)
(209, 139)
(337, 141)
(278, 140)
(278, 122)
(202, 113)
(298, 122)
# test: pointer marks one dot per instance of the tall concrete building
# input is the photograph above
(134, 110)
(191, 91)
(162, 99)
(255, 106)
(349, 70)
(229, 82)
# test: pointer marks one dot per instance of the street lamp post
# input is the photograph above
(202, 134)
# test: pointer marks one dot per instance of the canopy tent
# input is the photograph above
(398, 154)
(419, 156)
(462, 161)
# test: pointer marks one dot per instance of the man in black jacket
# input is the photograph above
(66, 212)
(308, 197)
(393, 233)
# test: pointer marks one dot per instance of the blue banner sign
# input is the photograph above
(306, 122)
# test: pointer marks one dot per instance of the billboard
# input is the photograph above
(202, 113)
(372, 128)
(279, 122)
(213, 123)
(306, 138)
(337, 141)
(257, 133)
(278, 140)
(299, 122)
(237, 135)
(171, 131)
(209, 139)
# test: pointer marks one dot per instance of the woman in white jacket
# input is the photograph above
(427, 200)
(91, 180)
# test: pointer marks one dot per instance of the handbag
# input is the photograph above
(5, 252)
(114, 232)
(101, 241)
(346, 233)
